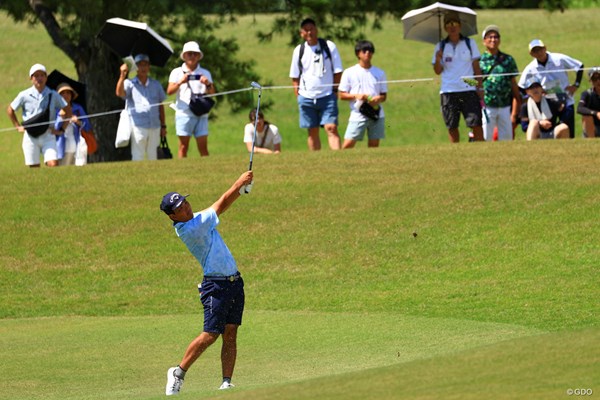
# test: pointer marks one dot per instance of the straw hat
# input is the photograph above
(65, 86)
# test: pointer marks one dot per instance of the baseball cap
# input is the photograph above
(36, 67)
(535, 43)
(141, 57)
(532, 82)
(490, 28)
(451, 16)
(171, 201)
(593, 71)
(193, 47)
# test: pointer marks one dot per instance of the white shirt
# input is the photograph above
(357, 80)
(457, 62)
(183, 93)
(273, 136)
(552, 76)
(316, 77)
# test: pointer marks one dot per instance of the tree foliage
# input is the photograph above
(74, 24)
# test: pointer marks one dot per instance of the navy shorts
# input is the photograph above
(223, 303)
(465, 103)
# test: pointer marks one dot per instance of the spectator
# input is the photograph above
(456, 57)
(315, 71)
(70, 121)
(222, 288)
(268, 140)
(143, 96)
(360, 84)
(501, 93)
(552, 68)
(185, 80)
(589, 105)
(38, 100)
(540, 116)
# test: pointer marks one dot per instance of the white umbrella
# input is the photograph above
(427, 24)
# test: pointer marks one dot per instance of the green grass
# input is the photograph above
(496, 296)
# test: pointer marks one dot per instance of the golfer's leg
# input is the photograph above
(184, 143)
(533, 130)
(589, 130)
(454, 135)
(349, 143)
(477, 133)
(332, 136)
(314, 141)
(561, 131)
(196, 348)
(373, 143)
(202, 142)
(229, 350)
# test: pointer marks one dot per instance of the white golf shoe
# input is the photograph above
(226, 385)
(173, 383)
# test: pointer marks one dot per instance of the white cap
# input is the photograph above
(36, 67)
(193, 47)
(490, 28)
(535, 43)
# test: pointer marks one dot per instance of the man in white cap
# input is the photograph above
(552, 68)
(502, 97)
(39, 105)
(187, 80)
(143, 97)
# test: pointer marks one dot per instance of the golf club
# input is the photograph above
(254, 85)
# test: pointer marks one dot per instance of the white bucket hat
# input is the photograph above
(193, 47)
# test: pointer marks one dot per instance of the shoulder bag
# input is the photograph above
(199, 104)
(37, 125)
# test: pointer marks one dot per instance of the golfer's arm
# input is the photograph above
(227, 199)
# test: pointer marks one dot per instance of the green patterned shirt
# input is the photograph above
(498, 89)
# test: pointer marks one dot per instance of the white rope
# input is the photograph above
(519, 73)
(398, 81)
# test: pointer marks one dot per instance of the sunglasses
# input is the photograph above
(453, 23)
(492, 37)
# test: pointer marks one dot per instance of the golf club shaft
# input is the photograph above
(255, 123)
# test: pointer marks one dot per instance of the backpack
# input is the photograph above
(324, 47)
(466, 39)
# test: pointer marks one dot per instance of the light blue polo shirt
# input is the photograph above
(33, 102)
(202, 239)
(142, 102)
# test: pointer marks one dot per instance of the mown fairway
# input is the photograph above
(495, 297)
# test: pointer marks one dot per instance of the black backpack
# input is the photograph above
(466, 39)
(322, 45)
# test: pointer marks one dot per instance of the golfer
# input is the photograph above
(221, 290)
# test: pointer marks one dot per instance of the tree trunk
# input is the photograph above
(101, 99)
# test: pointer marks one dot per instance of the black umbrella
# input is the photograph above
(129, 38)
(56, 78)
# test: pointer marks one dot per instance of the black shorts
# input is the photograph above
(467, 103)
(223, 303)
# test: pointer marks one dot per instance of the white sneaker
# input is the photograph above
(173, 383)
(226, 385)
